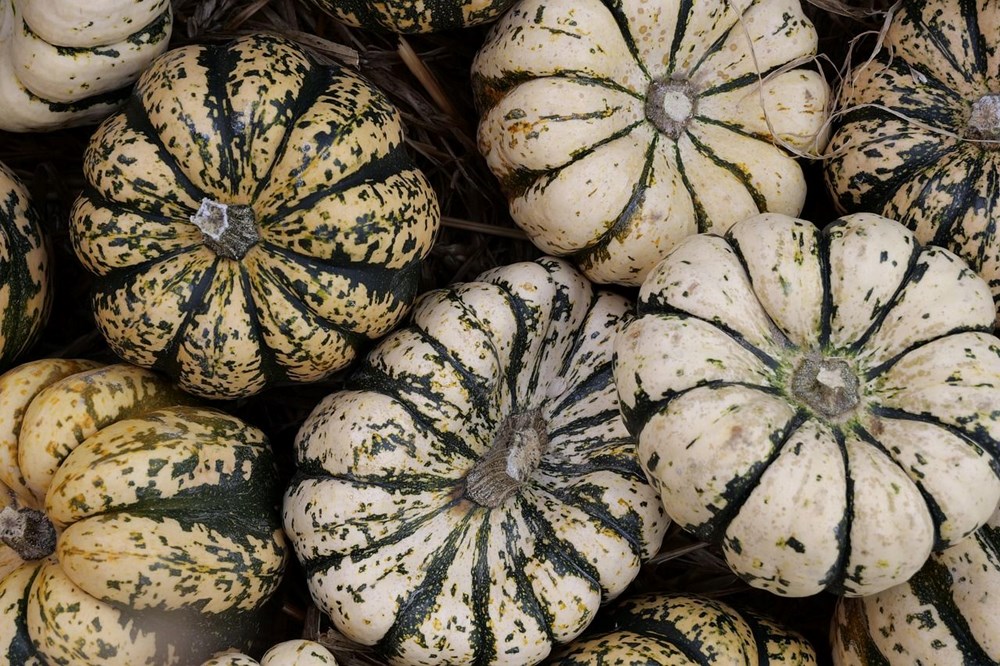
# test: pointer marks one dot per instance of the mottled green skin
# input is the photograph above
(25, 292)
(410, 16)
(684, 629)
(314, 156)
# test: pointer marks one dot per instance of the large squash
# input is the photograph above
(70, 62)
(682, 630)
(138, 530)
(823, 404)
(25, 291)
(473, 497)
(616, 128)
(919, 134)
(949, 613)
(252, 218)
(414, 16)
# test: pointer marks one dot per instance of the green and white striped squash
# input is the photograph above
(616, 128)
(918, 137)
(252, 218)
(70, 62)
(684, 630)
(288, 653)
(948, 614)
(821, 403)
(473, 496)
(164, 517)
(25, 289)
(414, 16)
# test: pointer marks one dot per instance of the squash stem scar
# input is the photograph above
(28, 532)
(670, 104)
(517, 449)
(984, 121)
(230, 230)
(827, 386)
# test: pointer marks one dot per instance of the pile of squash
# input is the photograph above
(282, 440)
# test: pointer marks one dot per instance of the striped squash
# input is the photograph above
(823, 404)
(948, 614)
(252, 218)
(70, 62)
(135, 529)
(25, 290)
(616, 128)
(918, 139)
(473, 497)
(681, 629)
(289, 653)
(414, 16)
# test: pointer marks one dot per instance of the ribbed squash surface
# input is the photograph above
(821, 403)
(474, 496)
(252, 218)
(169, 543)
(618, 128)
(414, 16)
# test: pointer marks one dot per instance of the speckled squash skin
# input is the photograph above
(169, 540)
(414, 16)
(918, 141)
(25, 289)
(288, 653)
(473, 497)
(683, 630)
(251, 217)
(948, 613)
(618, 128)
(70, 62)
(821, 403)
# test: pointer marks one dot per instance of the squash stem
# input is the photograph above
(230, 230)
(670, 104)
(517, 449)
(28, 532)
(827, 386)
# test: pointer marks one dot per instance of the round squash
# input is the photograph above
(821, 403)
(618, 128)
(414, 16)
(25, 292)
(135, 529)
(948, 613)
(289, 653)
(252, 218)
(919, 134)
(70, 62)
(681, 629)
(473, 496)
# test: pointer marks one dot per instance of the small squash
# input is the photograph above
(70, 62)
(252, 218)
(134, 529)
(289, 653)
(414, 16)
(616, 128)
(948, 613)
(680, 629)
(25, 292)
(473, 497)
(821, 403)
(920, 130)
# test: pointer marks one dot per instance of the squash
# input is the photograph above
(678, 629)
(288, 653)
(136, 529)
(69, 62)
(413, 16)
(25, 290)
(472, 497)
(920, 127)
(948, 613)
(252, 218)
(822, 404)
(618, 128)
